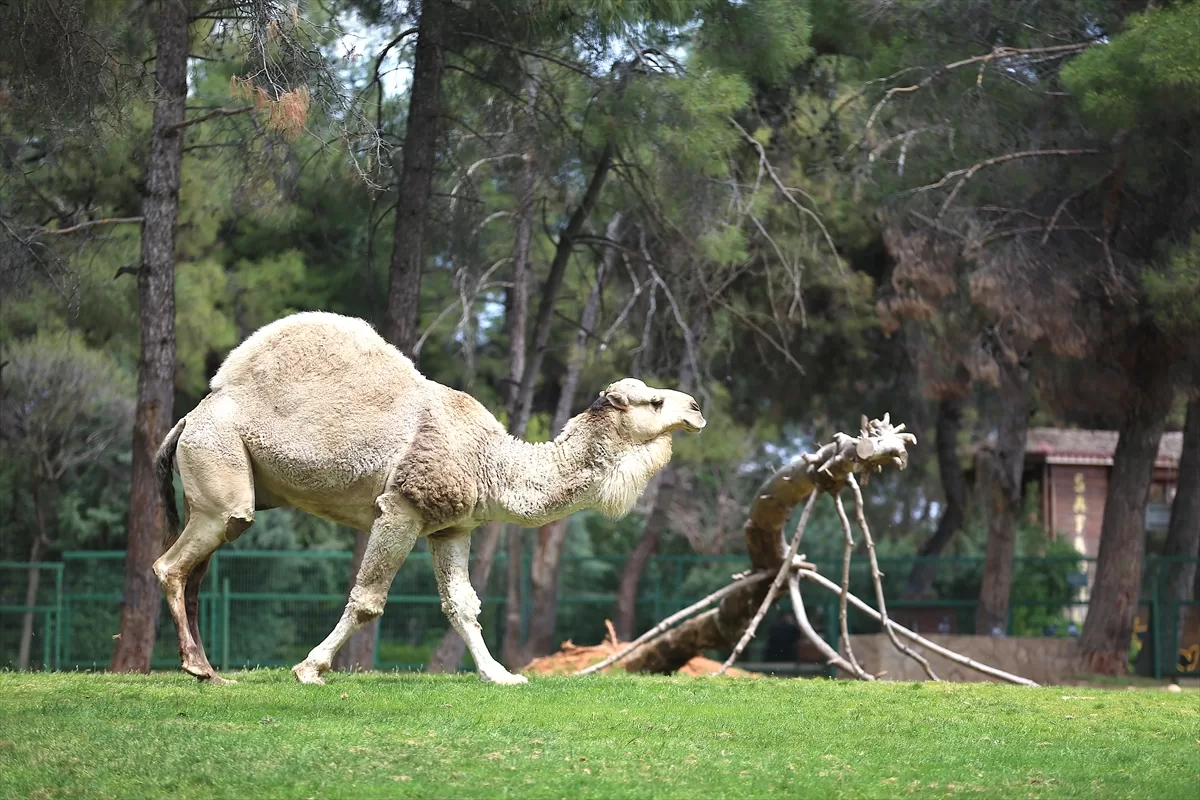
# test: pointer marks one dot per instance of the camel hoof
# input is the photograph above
(504, 678)
(198, 670)
(216, 680)
(308, 673)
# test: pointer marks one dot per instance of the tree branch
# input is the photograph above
(527, 52)
(783, 351)
(998, 53)
(762, 155)
(375, 81)
(876, 575)
(847, 552)
(220, 112)
(806, 627)
(754, 577)
(816, 577)
(88, 224)
(780, 577)
(969, 172)
(554, 280)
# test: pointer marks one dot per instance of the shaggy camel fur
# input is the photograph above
(317, 412)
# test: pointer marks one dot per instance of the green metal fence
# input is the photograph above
(269, 607)
(41, 613)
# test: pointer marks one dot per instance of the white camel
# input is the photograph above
(317, 412)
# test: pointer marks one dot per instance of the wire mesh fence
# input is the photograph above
(269, 607)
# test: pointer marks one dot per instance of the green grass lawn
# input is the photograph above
(407, 735)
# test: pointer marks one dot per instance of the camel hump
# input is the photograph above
(311, 342)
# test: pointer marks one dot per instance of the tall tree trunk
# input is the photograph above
(415, 188)
(554, 281)
(625, 623)
(517, 318)
(45, 510)
(1107, 631)
(1183, 533)
(358, 654)
(415, 179)
(510, 654)
(954, 489)
(32, 582)
(1000, 472)
(548, 547)
(156, 366)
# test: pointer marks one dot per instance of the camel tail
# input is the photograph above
(166, 482)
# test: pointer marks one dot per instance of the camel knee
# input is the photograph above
(171, 578)
(462, 604)
(366, 605)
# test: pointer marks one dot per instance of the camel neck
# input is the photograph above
(533, 484)
(587, 466)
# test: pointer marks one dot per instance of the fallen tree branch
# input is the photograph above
(719, 628)
(876, 576)
(744, 603)
(847, 551)
(831, 655)
(815, 577)
(674, 618)
(780, 576)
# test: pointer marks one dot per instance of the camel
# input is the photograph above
(318, 412)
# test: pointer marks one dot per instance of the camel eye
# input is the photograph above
(657, 404)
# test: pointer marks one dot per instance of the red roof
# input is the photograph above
(1071, 446)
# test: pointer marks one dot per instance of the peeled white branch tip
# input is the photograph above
(799, 562)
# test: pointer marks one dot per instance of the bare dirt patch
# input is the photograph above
(574, 657)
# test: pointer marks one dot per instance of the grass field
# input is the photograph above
(406, 735)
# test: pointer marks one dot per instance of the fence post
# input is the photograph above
(210, 601)
(58, 614)
(66, 643)
(1160, 643)
(46, 643)
(831, 623)
(677, 591)
(526, 590)
(375, 649)
(225, 625)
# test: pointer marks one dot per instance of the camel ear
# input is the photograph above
(616, 398)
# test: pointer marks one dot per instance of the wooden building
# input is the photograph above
(1072, 468)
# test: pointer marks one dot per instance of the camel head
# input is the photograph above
(639, 421)
(645, 413)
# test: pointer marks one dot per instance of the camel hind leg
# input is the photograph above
(191, 600)
(219, 489)
(175, 570)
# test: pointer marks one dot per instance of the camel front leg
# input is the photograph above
(392, 537)
(451, 561)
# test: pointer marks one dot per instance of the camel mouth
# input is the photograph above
(695, 424)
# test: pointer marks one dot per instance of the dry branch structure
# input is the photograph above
(679, 638)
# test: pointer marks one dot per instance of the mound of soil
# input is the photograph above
(574, 657)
